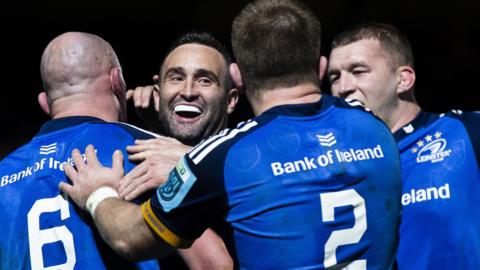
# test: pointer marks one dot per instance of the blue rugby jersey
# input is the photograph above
(306, 186)
(40, 228)
(440, 155)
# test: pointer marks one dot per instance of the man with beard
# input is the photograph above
(193, 97)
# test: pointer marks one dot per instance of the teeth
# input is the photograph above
(187, 108)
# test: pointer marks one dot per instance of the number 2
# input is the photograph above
(329, 201)
(38, 237)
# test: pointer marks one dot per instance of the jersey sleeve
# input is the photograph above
(191, 200)
(471, 121)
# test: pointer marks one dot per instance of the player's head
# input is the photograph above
(276, 44)
(81, 74)
(195, 92)
(373, 63)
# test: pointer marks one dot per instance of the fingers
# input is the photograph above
(78, 159)
(66, 188)
(147, 96)
(134, 185)
(117, 162)
(142, 96)
(140, 148)
(70, 172)
(141, 156)
(134, 174)
(139, 190)
(159, 140)
(156, 78)
(130, 93)
(91, 156)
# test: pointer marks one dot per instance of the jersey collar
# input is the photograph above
(422, 119)
(303, 109)
(64, 122)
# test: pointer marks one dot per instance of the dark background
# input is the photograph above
(444, 36)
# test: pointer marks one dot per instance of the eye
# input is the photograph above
(359, 71)
(204, 81)
(174, 78)
(333, 78)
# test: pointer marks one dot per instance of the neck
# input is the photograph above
(404, 114)
(304, 93)
(83, 105)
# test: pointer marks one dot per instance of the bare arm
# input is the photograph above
(122, 226)
(159, 156)
(120, 223)
(207, 252)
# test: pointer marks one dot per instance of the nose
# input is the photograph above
(189, 92)
(344, 87)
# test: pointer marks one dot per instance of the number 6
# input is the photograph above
(37, 237)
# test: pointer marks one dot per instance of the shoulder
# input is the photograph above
(471, 122)
(221, 142)
(467, 118)
(357, 115)
(121, 128)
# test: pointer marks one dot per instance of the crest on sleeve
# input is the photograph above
(179, 182)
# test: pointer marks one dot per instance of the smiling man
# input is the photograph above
(194, 95)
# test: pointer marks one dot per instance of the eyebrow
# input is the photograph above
(174, 70)
(351, 66)
(207, 73)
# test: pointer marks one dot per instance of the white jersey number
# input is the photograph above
(38, 237)
(329, 201)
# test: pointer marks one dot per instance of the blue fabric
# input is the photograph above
(40, 224)
(290, 180)
(440, 226)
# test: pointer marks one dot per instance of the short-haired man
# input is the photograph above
(440, 153)
(193, 96)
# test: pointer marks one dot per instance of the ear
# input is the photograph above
(119, 89)
(156, 96)
(116, 80)
(236, 76)
(406, 79)
(43, 101)
(155, 78)
(232, 100)
(322, 67)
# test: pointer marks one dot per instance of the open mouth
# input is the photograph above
(187, 111)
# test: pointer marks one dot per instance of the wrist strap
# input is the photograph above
(98, 196)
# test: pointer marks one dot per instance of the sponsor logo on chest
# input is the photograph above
(330, 157)
(431, 148)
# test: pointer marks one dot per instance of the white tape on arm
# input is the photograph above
(98, 196)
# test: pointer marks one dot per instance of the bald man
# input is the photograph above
(84, 89)
(84, 92)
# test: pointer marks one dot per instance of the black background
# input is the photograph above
(445, 37)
